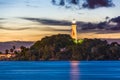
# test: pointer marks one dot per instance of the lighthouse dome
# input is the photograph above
(74, 21)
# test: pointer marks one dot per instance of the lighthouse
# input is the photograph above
(74, 30)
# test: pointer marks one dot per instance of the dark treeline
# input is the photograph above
(63, 47)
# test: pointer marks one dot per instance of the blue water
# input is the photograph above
(60, 70)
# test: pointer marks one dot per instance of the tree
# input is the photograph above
(56, 42)
(77, 52)
(11, 50)
(7, 51)
(65, 55)
(49, 47)
(14, 47)
(62, 47)
(47, 53)
(23, 48)
(0, 52)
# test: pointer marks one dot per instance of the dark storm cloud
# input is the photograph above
(52, 22)
(49, 21)
(91, 4)
(116, 19)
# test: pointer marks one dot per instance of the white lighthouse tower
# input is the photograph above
(74, 30)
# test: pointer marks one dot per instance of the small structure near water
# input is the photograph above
(6, 56)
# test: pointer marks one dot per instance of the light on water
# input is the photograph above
(60, 70)
(75, 70)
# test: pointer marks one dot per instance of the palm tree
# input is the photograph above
(7, 51)
(14, 47)
(11, 50)
(0, 52)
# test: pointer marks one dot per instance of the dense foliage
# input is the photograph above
(63, 47)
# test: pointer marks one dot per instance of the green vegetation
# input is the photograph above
(63, 47)
(80, 41)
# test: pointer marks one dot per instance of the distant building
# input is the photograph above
(74, 30)
(6, 56)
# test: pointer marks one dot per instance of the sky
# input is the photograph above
(24, 19)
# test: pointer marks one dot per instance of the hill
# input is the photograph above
(17, 44)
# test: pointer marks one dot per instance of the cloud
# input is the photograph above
(42, 21)
(1, 18)
(33, 28)
(5, 28)
(52, 22)
(48, 29)
(116, 19)
(49, 21)
(92, 4)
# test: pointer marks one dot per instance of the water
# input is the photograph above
(60, 70)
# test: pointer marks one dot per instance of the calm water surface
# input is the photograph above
(60, 70)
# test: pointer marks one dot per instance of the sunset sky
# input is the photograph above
(14, 24)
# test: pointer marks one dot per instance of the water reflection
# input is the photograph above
(74, 74)
(60, 70)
